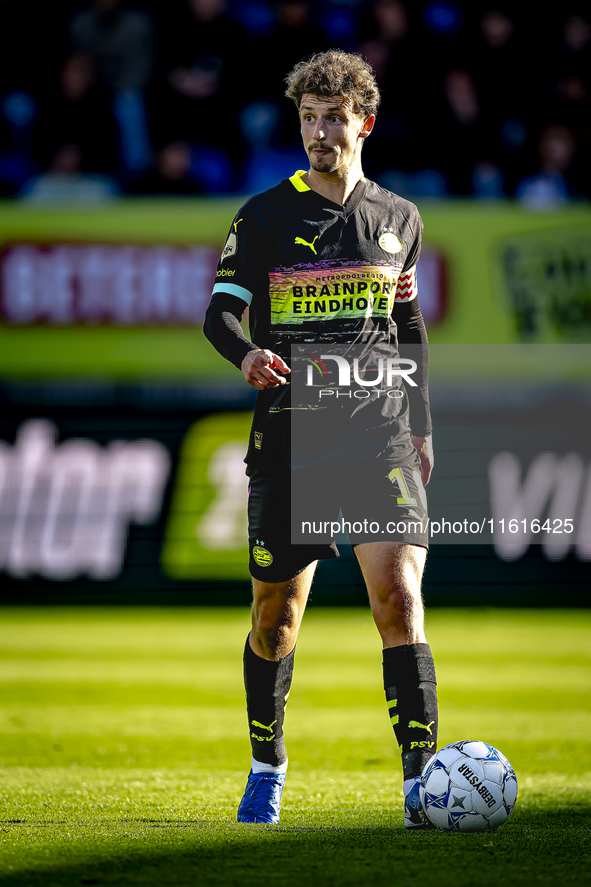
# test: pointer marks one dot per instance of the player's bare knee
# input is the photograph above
(393, 605)
(274, 628)
(272, 639)
(276, 615)
(400, 610)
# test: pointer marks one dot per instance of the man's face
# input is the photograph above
(331, 131)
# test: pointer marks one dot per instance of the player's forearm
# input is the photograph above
(424, 447)
(222, 328)
(413, 343)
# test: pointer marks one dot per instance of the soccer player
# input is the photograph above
(328, 257)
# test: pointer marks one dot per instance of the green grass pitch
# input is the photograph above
(124, 750)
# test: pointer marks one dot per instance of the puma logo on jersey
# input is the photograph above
(305, 243)
(426, 727)
(236, 224)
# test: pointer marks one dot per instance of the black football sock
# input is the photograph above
(267, 688)
(411, 695)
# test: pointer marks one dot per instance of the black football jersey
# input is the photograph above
(315, 273)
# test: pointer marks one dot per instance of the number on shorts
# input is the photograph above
(406, 499)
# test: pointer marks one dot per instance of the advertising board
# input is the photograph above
(142, 487)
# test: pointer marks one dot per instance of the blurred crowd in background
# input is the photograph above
(107, 98)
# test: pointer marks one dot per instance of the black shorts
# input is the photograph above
(293, 516)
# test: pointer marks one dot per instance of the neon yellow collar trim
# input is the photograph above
(296, 180)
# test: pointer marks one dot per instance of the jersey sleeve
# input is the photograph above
(406, 288)
(413, 344)
(241, 271)
(222, 328)
(412, 336)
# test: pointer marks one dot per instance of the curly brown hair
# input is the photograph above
(333, 73)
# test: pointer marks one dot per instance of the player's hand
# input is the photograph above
(258, 368)
(424, 447)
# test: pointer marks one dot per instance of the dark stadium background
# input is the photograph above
(479, 99)
(129, 135)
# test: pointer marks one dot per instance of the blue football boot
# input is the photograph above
(414, 815)
(261, 801)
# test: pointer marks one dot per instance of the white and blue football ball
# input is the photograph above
(468, 786)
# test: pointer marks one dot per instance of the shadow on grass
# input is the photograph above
(533, 848)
